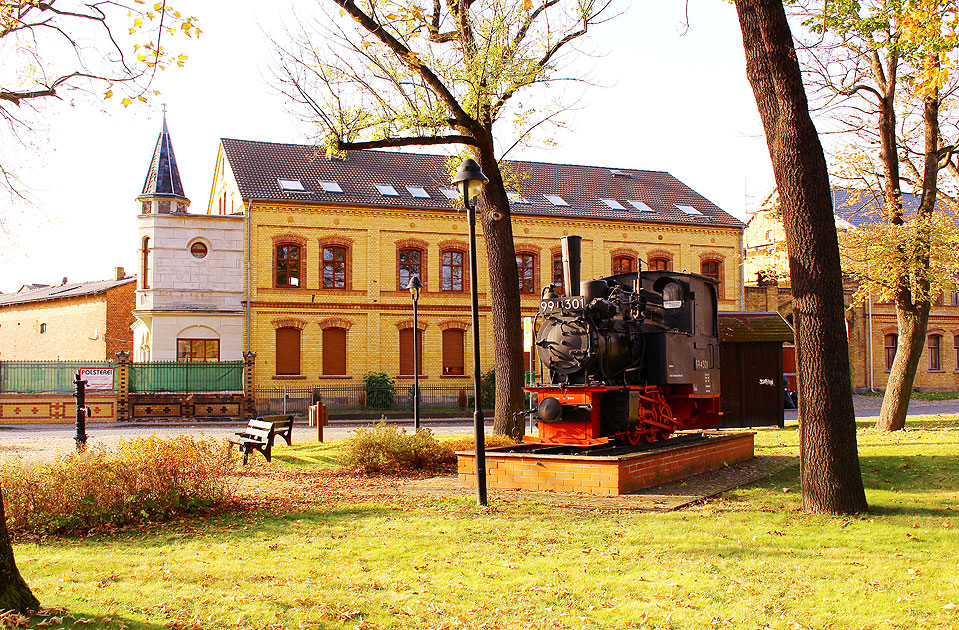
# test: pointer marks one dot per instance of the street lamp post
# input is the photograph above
(414, 287)
(470, 179)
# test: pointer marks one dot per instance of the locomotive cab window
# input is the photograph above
(672, 295)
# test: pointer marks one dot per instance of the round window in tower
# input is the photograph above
(199, 250)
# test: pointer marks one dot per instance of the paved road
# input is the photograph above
(46, 440)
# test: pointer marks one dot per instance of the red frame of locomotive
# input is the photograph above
(663, 409)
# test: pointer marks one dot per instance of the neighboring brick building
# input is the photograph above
(334, 241)
(871, 326)
(75, 321)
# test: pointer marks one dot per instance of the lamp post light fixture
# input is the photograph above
(414, 287)
(469, 179)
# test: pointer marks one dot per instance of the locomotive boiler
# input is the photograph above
(631, 357)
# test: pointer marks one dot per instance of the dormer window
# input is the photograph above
(556, 200)
(331, 187)
(418, 192)
(639, 205)
(612, 203)
(688, 209)
(291, 185)
(386, 190)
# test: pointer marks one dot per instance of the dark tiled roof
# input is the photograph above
(163, 178)
(863, 207)
(258, 167)
(753, 327)
(63, 291)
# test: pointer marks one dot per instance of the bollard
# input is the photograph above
(82, 412)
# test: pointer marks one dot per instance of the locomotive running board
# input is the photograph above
(532, 439)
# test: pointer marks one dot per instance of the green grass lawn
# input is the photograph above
(750, 559)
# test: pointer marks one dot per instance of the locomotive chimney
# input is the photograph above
(572, 262)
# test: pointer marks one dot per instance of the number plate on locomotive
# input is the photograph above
(575, 303)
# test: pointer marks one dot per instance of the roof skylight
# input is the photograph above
(450, 193)
(556, 200)
(515, 197)
(687, 209)
(639, 205)
(386, 190)
(291, 184)
(612, 203)
(331, 187)
(418, 192)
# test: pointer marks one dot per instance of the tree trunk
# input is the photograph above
(913, 299)
(14, 592)
(503, 295)
(829, 463)
(912, 321)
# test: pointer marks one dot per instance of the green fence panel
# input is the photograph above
(186, 377)
(36, 377)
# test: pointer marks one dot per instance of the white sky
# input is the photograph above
(668, 102)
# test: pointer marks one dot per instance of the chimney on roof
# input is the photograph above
(119, 273)
(64, 281)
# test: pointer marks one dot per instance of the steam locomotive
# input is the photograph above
(629, 358)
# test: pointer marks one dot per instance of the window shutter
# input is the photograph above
(288, 350)
(453, 351)
(406, 351)
(334, 351)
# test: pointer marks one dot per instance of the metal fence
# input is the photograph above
(273, 400)
(33, 377)
(186, 377)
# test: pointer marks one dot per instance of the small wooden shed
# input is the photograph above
(751, 361)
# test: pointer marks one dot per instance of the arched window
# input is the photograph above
(145, 270)
(623, 263)
(288, 350)
(453, 343)
(526, 267)
(336, 263)
(452, 270)
(334, 351)
(660, 263)
(713, 268)
(288, 265)
(406, 351)
(558, 273)
(935, 362)
(410, 262)
(890, 342)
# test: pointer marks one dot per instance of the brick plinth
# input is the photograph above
(607, 475)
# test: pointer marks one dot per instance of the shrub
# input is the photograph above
(391, 449)
(380, 390)
(146, 479)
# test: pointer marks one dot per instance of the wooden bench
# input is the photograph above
(260, 433)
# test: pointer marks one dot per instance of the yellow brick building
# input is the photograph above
(871, 326)
(331, 244)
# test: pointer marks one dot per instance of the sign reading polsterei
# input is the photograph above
(98, 379)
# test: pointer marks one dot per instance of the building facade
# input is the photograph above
(190, 287)
(871, 325)
(332, 242)
(72, 321)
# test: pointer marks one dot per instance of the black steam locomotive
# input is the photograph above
(631, 357)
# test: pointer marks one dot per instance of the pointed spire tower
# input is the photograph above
(162, 190)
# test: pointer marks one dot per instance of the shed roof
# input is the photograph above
(754, 327)
(63, 291)
(264, 171)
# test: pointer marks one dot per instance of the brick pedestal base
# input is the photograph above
(608, 475)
